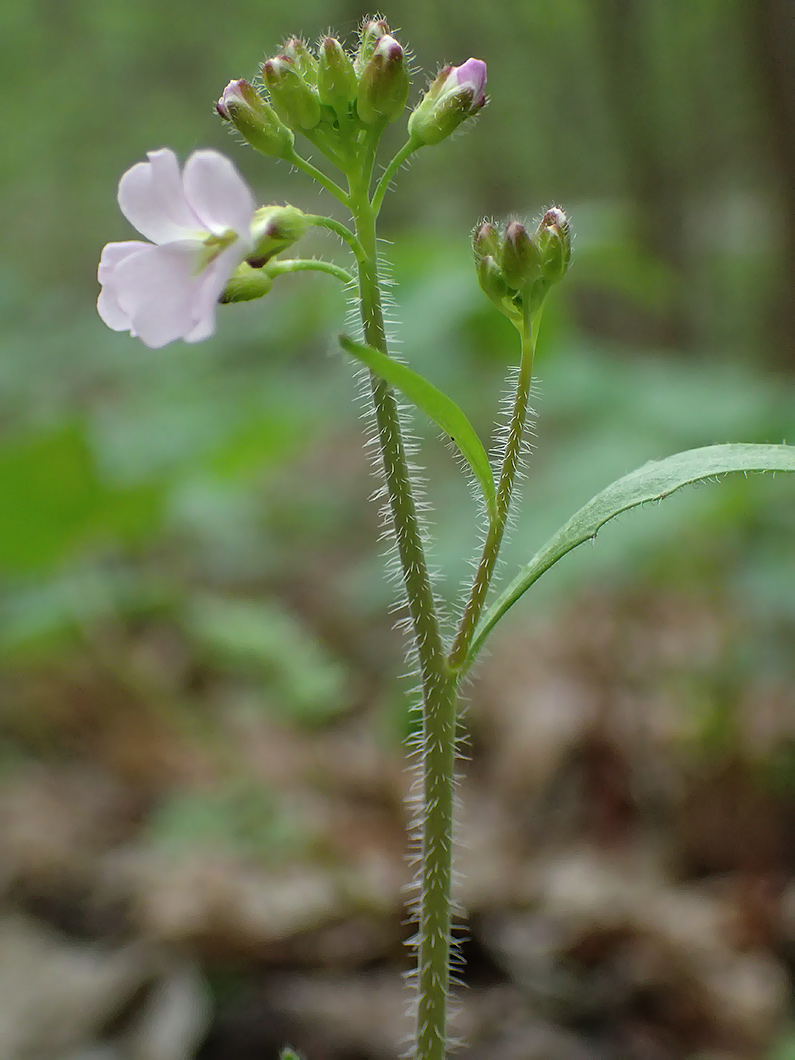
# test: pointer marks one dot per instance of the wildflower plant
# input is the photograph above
(211, 244)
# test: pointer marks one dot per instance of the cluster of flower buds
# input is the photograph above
(333, 95)
(329, 91)
(515, 269)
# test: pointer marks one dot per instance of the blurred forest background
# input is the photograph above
(202, 827)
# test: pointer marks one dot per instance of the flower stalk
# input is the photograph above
(437, 681)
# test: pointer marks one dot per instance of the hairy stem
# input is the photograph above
(403, 154)
(285, 265)
(496, 531)
(318, 175)
(438, 683)
(339, 229)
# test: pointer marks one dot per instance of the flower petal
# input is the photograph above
(108, 304)
(218, 194)
(113, 253)
(214, 280)
(152, 198)
(157, 289)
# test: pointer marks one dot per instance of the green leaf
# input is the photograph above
(437, 406)
(652, 482)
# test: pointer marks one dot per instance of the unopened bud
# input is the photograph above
(520, 257)
(259, 124)
(305, 62)
(455, 95)
(246, 284)
(372, 32)
(293, 100)
(384, 84)
(274, 229)
(553, 240)
(492, 282)
(486, 241)
(337, 83)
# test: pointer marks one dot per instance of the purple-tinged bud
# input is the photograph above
(486, 241)
(246, 284)
(553, 240)
(258, 123)
(293, 100)
(337, 83)
(305, 63)
(520, 260)
(371, 33)
(384, 84)
(457, 93)
(274, 229)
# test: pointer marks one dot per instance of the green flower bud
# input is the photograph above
(492, 283)
(305, 62)
(553, 240)
(371, 33)
(456, 94)
(293, 100)
(486, 241)
(274, 229)
(246, 284)
(520, 259)
(384, 84)
(258, 123)
(337, 84)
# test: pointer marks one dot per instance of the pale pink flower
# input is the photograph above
(199, 224)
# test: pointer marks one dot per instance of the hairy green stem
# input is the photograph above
(403, 154)
(318, 175)
(339, 229)
(286, 265)
(496, 531)
(438, 683)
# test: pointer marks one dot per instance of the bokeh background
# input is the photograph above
(202, 826)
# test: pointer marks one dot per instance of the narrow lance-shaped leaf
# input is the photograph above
(437, 406)
(652, 482)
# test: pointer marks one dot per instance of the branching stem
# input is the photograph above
(339, 229)
(403, 154)
(318, 175)
(286, 265)
(496, 531)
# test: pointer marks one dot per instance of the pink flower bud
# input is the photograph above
(384, 84)
(293, 100)
(259, 123)
(372, 31)
(553, 240)
(457, 94)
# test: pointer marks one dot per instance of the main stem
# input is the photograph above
(438, 682)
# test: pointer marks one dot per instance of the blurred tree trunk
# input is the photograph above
(771, 25)
(656, 187)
